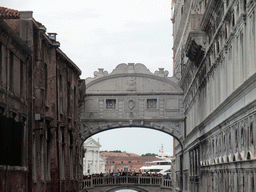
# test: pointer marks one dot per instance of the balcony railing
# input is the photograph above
(120, 180)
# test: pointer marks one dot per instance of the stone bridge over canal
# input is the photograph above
(132, 96)
(137, 183)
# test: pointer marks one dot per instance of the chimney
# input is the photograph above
(26, 15)
(52, 36)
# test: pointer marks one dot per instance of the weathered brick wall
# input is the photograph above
(52, 118)
(13, 107)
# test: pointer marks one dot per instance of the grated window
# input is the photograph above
(110, 104)
(151, 103)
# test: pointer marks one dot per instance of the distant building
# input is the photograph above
(127, 162)
(93, 162)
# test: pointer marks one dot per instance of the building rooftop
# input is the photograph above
(9, 13)
(115, 154)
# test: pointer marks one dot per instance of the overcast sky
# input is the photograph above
(104, 33)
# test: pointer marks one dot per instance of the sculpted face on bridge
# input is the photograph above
(132, 96)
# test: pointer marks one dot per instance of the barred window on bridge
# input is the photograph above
(110, 104)
(151, 103)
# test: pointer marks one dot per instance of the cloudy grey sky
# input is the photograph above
(104, 33)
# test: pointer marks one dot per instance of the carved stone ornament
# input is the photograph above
(131, 83)
(131, 104)
(197, 7)
(194, 52)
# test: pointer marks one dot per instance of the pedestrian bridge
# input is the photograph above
(132, 96)
(137, 183)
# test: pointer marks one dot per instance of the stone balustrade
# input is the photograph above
(125, 180)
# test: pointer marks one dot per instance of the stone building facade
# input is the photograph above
(48, 101)
(214, 60)
(14, 85)
(93, 162)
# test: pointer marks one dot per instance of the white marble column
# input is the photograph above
(86, 164)
(93, 163)
(98, 163)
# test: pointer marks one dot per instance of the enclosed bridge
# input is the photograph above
(132, 96)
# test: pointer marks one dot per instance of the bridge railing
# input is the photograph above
(139, 180)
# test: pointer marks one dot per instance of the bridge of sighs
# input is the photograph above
(132, 96)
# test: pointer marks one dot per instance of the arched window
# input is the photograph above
(226, 32)
(224, 143)
(242, 136)
(233, 20)
(216, 145)
(251, 132)
(236, 137)
(213, 146)
(230, 140)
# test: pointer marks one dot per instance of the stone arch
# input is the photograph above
(249, 155)
(138, 189)
(96, 128)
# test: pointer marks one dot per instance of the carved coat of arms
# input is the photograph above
(131, 104)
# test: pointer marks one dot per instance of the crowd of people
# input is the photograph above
(135, 174)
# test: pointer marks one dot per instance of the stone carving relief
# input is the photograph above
(131, 83)
(131, 104)
(198, 7)
(229, 144)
